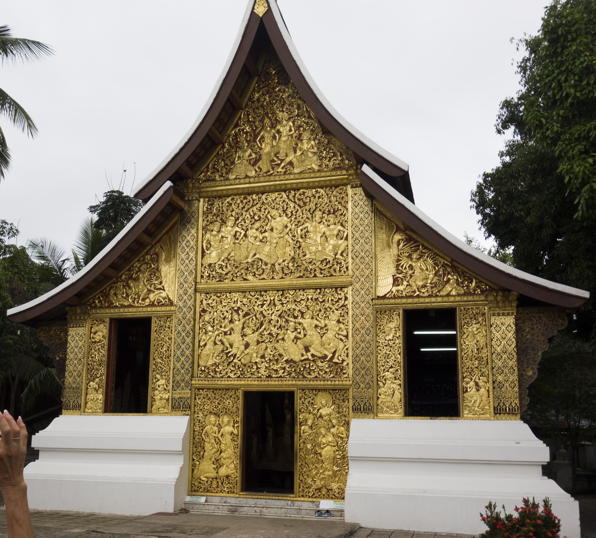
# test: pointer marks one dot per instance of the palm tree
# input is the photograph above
(16, 48)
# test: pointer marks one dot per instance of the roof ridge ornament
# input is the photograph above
(260, 7)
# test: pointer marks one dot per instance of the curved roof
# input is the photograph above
(66, 291)
(476, 261)
(271, 22)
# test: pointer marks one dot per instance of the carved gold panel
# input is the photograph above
(184, 323)
(407, 268)
(504, 364)
(276, 134)
(291, 234)
(76, 349)
(534, 327)
(323, 430)
(95, 371)
(215, 441)
(390, 394)
(363, 340)
(149, 281)
(474, 362)
(161, 364)
(286, 335)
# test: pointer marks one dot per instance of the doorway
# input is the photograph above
(268, 442)
(128, 368)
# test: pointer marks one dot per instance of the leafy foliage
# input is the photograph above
(114, 211)
(540, 201)
(530, 520)
(16, 48)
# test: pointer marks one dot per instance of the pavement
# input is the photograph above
(65, 524)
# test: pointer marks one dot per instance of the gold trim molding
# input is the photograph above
(266, 285)
(270, 383)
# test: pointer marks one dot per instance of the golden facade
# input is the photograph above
(281, 274)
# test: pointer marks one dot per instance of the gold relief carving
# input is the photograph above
(276, 133)
(161, 363)
(534, 327)
(215, 442)
(504, 364)
(474, 361)
(291, 334)
(405, 267)
(323, 422)
(149, 281)
(261, 7)
(389, 363)
(362, 263)
(75, 363)
(95, 374)
(55, 338)
(269, 236)
(184, 323)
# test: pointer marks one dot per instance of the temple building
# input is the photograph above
(281, 322)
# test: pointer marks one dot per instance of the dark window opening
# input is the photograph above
(128, 367)
(431, 363)
(268, 444)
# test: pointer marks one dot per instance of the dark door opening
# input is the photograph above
(431, 363)
(268, 442)
(128, 369)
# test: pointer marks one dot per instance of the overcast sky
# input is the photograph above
(128, 78)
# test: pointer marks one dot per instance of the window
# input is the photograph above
(430, 358)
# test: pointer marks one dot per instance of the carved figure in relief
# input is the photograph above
(285, 144)
(306, 157)
(312, 339)
(315, 241)
(234, 341)
(211, 346)
(337, 236)
(288, 345)
(161, 397)
(230, 236)
(250, 248)
(389, 394)
(266, 141)
(476, 397)
(242, 163)
(94, 397)
(334, 339)
(277, 246)
(212, 244)
(253, 350)
(207, 467)
(227, 459)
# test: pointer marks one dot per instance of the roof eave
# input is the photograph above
(472, 259)
(57, 297)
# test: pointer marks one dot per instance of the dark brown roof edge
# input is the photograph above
(58, 296)
(479, 263)
(275, 27)
(206, 122)
(330, 119)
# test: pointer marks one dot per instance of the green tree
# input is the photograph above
(114, 212)
(540, 201)
(16, 48)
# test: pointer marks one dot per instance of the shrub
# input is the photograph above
(530, 520)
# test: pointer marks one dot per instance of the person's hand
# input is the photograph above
(13, 447)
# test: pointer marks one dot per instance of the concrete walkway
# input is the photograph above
(64, 524)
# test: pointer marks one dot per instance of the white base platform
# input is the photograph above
(437, 475)
(110, 464)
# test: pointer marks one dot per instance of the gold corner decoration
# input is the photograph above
(260, 7)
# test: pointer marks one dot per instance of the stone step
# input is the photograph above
(248, 506)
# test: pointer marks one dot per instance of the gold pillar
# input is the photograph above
(160, 383)
(390, 394)
(95, 370)
(75, 359)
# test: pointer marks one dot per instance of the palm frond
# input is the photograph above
(4, 155)
(89, 243)
(20, 48)
(16, 114)
(47, 252)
